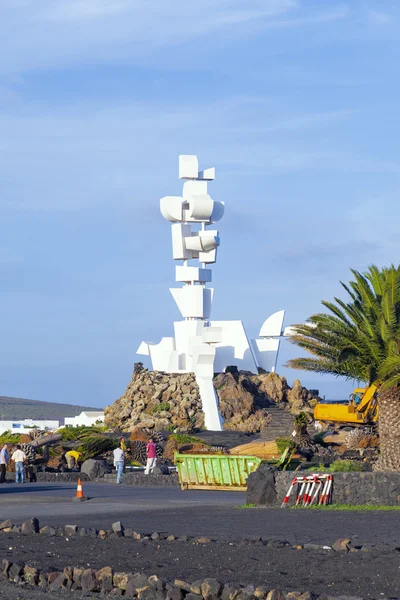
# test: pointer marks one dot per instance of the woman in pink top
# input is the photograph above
(151, 450)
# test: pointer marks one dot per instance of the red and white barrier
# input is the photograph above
(314, 489)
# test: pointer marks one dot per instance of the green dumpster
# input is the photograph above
(208, 472)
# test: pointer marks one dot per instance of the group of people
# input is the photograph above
(119, 458)
(19, 458)
(73, 458)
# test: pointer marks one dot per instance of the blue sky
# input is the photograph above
(295, 102)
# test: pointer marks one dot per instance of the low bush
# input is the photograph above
(338, 466)
(163, 406)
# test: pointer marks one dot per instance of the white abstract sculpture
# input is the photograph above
(202, 346)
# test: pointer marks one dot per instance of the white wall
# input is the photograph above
(84, 419)
(25, 426)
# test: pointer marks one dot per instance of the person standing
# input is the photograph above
(19, 457)
(3, 463)
(151, 450)
(119, 461)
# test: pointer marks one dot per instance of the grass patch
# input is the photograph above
(163, 406)
(338, 466)
(247, 506)
(183, 438)
(347, 507)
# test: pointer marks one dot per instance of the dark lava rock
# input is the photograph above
(261, 488)
(31, 526)
(95, 469)
(211, 589)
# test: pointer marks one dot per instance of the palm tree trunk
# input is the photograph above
(389, 430)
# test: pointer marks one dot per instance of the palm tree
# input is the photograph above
(360, 339)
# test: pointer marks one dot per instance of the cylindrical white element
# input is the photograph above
(200, 207)
(171, 208)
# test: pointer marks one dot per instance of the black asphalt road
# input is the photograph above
(212, 514)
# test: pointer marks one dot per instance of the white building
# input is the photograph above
(87, 417)
(27, 424)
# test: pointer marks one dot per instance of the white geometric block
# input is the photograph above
(203, 356)
(194, 301)
(207, 174)
(193, 187)
(266, 351)
(234, 349)
(180, 232)
(184, 331)
(212, 335)
(192, 274)
(209, 240)
(272, 327)
(288, 331)
(208, 257)
(163, 355)
(144, 348)
(188, 166)
(171, 208)
(193, 243)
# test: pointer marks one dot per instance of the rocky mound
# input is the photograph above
(169, 401)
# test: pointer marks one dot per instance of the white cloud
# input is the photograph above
(63, 33)
(378, 17)
(90, 158)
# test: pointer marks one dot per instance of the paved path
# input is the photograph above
(170, 510)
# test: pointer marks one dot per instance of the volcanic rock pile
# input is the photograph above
(170, 401)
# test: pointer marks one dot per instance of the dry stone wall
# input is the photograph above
(267, 487)
(171, 401)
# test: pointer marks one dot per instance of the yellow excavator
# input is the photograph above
(361, 409)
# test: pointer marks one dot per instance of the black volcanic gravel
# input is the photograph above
(371, 574)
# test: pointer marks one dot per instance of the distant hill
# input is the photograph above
(22, 408)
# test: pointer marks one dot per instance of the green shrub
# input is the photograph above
(338, 466)
(283, 443)
(301, 418)
(10, 438)
(71, 434)
(171, 427)
(163, 406)
(94, 445)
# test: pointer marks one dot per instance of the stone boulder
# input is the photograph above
(95, 469)
(261, 488)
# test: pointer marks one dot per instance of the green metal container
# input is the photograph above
(215, 472)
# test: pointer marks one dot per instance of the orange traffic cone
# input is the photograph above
(79, 492)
